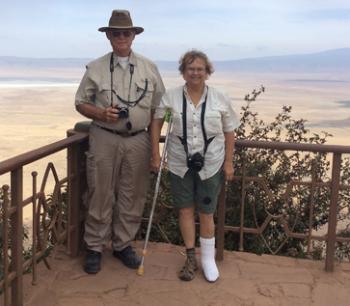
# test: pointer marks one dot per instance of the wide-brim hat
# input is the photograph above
(121, 19)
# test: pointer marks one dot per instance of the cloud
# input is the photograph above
(325, 15)
(229, 29)
(345, 104)
(341, 123)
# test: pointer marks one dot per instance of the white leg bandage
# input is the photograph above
(209, 267)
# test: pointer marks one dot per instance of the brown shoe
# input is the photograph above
(187, 271)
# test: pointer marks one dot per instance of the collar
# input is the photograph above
(131, 59)
(205, 91)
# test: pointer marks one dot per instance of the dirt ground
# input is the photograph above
(245, 279)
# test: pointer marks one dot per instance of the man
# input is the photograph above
(119, 92)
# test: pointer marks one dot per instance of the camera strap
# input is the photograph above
(183, 139)
(111, 70)
(128, 103)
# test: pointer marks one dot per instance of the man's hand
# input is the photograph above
(110, 115)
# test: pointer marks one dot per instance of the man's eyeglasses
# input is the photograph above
(125, 33)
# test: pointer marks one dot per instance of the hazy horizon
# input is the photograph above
(322, 67)
(274, 55)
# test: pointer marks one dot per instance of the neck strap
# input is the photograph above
(127, 102)
(184, 124)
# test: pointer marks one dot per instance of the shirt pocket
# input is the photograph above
(177, 124)
(213, 123)
(146, 92)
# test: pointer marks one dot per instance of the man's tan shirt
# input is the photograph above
(95, 88)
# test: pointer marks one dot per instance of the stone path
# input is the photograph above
(246, 279)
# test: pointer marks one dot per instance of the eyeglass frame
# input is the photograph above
(195, 70)
(124, 33)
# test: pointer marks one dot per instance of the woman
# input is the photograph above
(200, 153)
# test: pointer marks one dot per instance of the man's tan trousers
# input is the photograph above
(118, 180)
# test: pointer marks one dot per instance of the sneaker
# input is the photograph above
(128, 257)
(92, 262)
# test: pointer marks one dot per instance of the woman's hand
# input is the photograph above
(155, 128)
(228, 170)
(155, 163)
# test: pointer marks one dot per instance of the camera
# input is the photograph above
(195, 162)
(123, 112)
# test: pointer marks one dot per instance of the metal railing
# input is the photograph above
(61, 225)
(334, 185)
(50, 222)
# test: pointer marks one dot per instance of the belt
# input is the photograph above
(122, 134)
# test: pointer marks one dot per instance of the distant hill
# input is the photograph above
(331, 60)
(27, 62)
(337, 60)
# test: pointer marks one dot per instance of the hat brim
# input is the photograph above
(137, 30)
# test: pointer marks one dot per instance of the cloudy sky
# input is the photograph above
(225, 29)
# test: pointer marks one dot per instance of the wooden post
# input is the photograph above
(242, 206)
(221, 224)
(16, 234)
(5, 245)
(333, 209)
(35, 228)
(76, 158)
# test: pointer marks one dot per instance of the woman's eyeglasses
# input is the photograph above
(195, 70)
(125, 33)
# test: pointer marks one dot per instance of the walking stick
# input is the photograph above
(140, 270)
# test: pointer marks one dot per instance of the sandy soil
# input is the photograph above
(34, 115)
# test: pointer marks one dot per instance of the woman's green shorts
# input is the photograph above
(191, 190)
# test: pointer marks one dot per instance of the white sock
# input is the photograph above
(209, 267)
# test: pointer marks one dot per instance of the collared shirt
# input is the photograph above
(95, 88)
(220, 118)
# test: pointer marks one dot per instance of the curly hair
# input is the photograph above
(190, 56)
